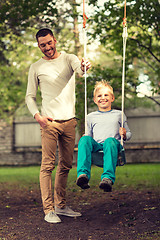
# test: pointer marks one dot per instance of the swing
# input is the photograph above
(97, 157)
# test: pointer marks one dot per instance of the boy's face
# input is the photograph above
(103, 98)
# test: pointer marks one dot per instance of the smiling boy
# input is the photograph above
(104, 132)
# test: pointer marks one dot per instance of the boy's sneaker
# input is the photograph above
(67, 212)
(82, 181)
(106, 185)
(51, 217)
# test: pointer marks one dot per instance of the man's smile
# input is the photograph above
(50, 50)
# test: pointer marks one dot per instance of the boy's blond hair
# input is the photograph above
(102, 83)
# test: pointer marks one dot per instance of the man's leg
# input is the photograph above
(66, 148)
(49, 144)
(66, 145)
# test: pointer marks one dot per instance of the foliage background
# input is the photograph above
(21, 19)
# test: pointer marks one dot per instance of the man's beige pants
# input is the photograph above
(62, 132)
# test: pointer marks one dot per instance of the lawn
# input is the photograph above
(130, 211)
(136, 176)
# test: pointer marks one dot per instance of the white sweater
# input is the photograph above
(56, 79)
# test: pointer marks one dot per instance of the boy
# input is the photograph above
(104, 133)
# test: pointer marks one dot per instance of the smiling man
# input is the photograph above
(47, 44)
(54, 74)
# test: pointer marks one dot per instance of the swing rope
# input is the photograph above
(124, 35)
(85, 74)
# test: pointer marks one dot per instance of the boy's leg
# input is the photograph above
(111, 148)
(86, 146)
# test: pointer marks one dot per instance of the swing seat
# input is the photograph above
(97, 158)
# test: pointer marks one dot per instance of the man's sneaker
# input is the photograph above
(106, 185)
(82, 181)
(67, 212)
(51, 217)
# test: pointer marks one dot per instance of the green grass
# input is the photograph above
(136, 176)
(139, 176)
(20, 176)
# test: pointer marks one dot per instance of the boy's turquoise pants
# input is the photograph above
(87, 145)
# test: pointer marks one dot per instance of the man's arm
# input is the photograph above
(78, 66)
(31, 98)
(32, 91)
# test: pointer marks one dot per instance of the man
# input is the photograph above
(54, 73)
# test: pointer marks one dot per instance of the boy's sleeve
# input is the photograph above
(89, 127)
(128, 131)
(32, 91)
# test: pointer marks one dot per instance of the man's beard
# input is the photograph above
(48, 55)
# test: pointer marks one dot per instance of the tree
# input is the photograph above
(143, 35)
(19, 21)
(105, 25)
(17, 16)
(13, 76)
(18, 51)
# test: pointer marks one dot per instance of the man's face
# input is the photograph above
(47, 45)
(103, 98)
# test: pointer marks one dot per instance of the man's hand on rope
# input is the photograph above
(85, 62)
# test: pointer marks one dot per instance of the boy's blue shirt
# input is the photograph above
(102, 125)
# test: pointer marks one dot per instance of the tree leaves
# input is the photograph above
(143, 43)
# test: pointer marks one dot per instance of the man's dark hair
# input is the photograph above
(44, 32)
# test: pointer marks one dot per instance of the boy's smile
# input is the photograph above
(104, 98)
